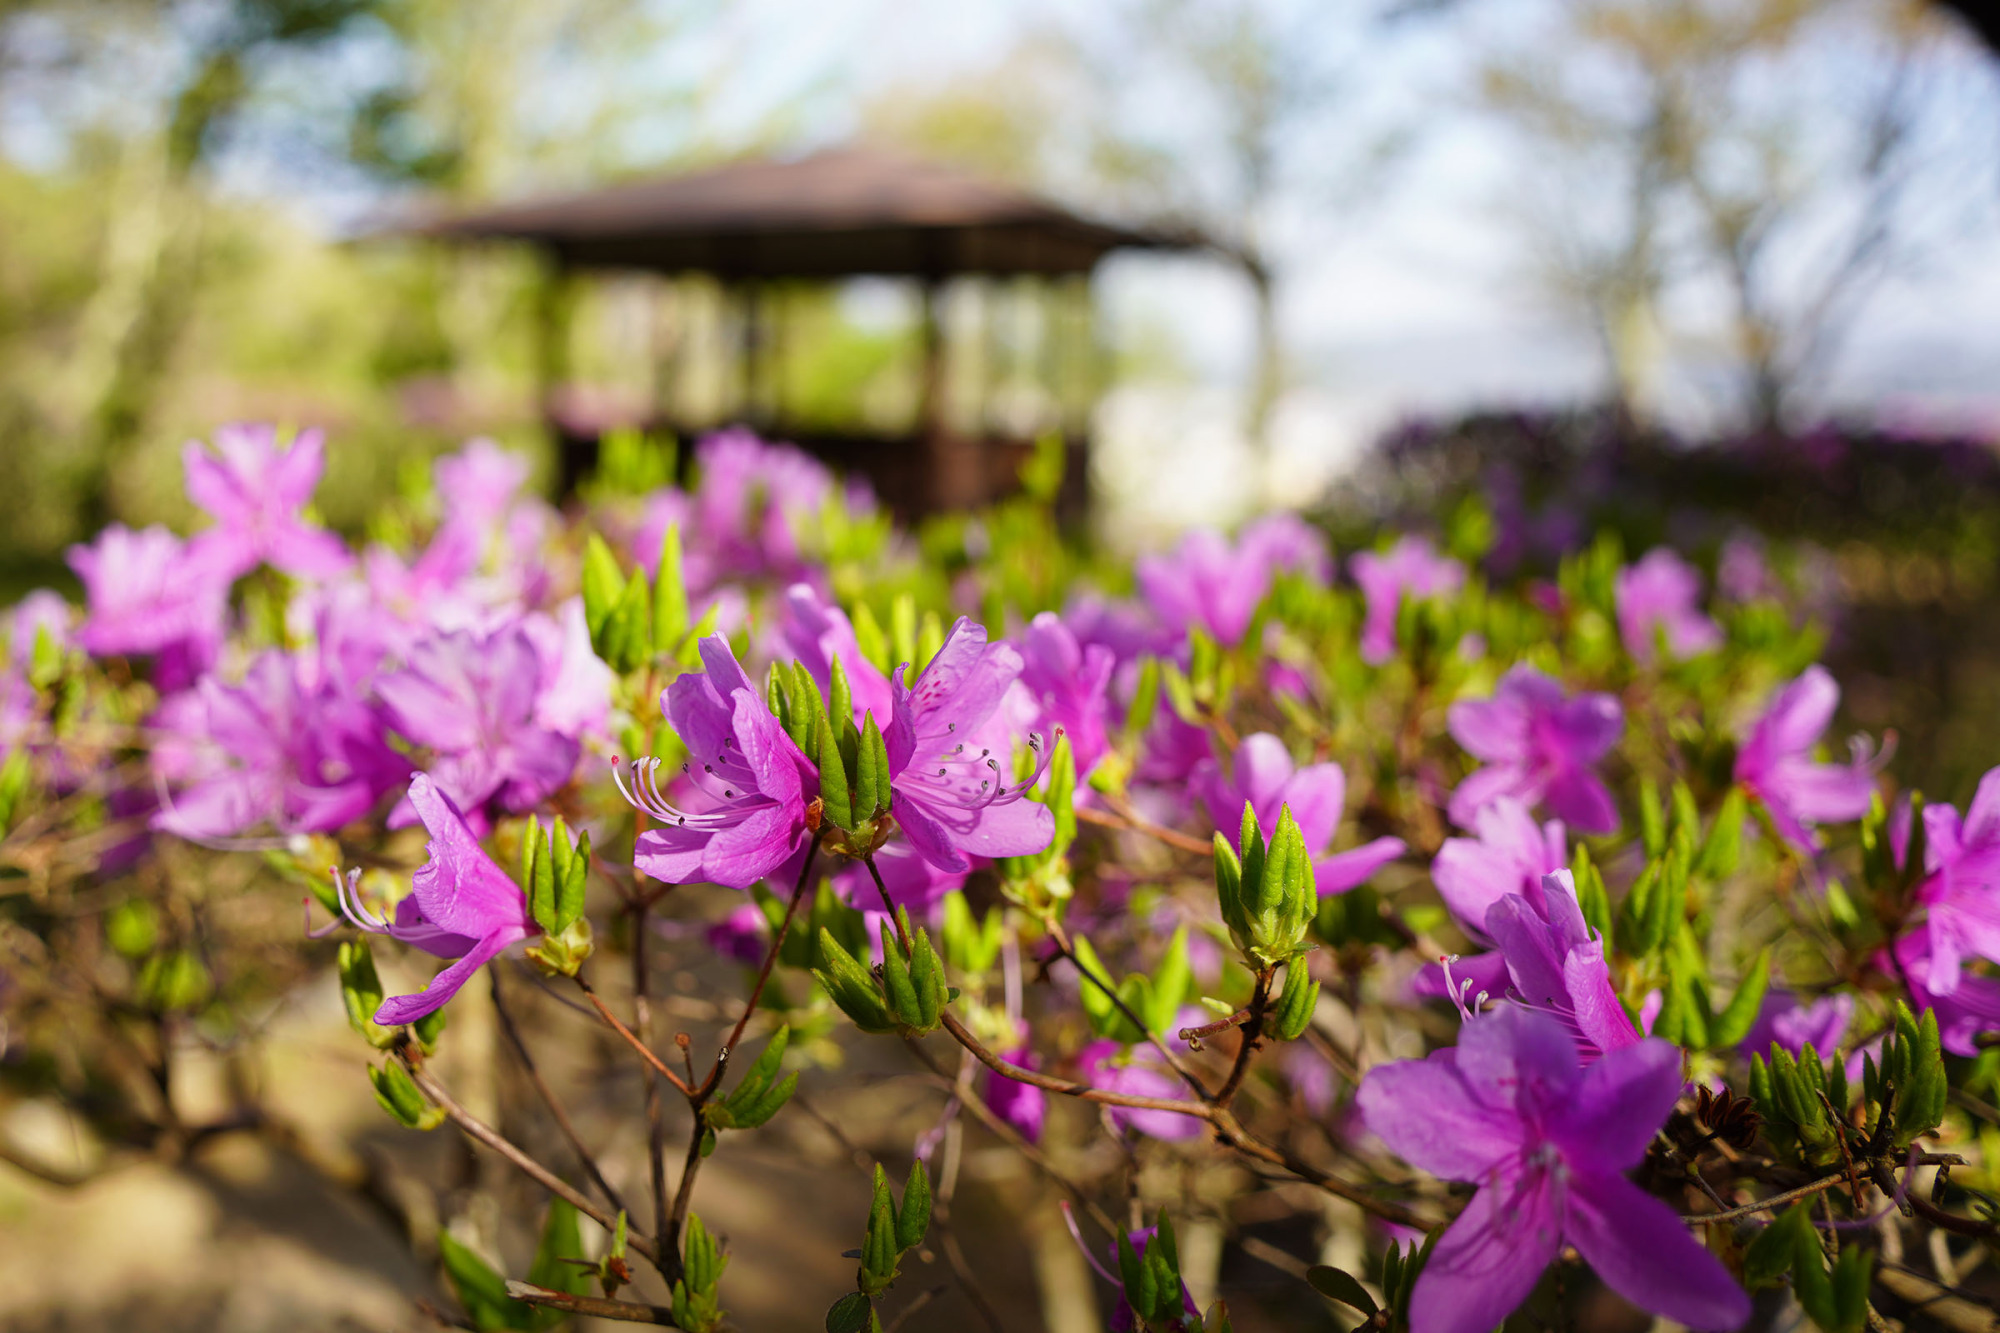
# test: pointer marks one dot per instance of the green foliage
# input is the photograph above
(892, 1232)
(1293, 1012)
(1152, 1281)
(760, 1095)
(1269, 895)
(397, 1093)
(969, 947)
(696, 1296)
(1155, 998)
(1836, 1300)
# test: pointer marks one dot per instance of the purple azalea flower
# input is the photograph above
(1538, 746)
(1266, 780)
(1507, 855)
(478, 483)
(1136, 1073)
(744, 935)
(1021, 1105)
(912, 881)
(1410, 566)
(470, 699)
(274, 750)
(1170, 751)
(1556, 965)
(461, 906)
(816, 633)
(254, 487)
(1969, 1011)
(575, 694)
(1786, 1022)
(1125, 627)
(750, 501)
(147, 595)
(1070, 683)
(747, 783)
(1547, 1141)
(1961, 888)
(1660, 596)
(1209, 584)
(1775, 764)
(952, 794)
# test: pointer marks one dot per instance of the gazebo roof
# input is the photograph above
(837, 213)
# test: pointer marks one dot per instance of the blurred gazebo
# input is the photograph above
(762, 228)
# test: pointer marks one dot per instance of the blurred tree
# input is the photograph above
(1234, 117)
(1775, 159)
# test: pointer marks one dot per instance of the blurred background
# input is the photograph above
(1720, 273)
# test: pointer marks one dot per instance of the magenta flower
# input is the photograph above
(1538, 746)
(1775, 764)
(1132, 1072)
(949, 762)
(1410, 566)
(1266, 780)
(1660, 598)
(254, 487)
(574, 698)
(1070, 683)
(1547, 1141)
(816, 633)
(274, 750)
(744, 935)
(470, 699)
(747, 783)
(1507, 855)
(1208, 584)
(1967, 1012)
(750, 502)
(912, 882)
(1556, 965)
(478, 483)
(1961, 888)
(147, 595)
(1022, 1105)
(1786, 1022)
(461, 906)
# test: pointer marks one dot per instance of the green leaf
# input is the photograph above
(850, 986)
(538, 876)
(479, 1289)
(913, 1219)
(1733, 1024)
(1652, 819)
(833, 789)
(852, 1313)
(896, 982)
(1340, 1285)
(603, 587)
(399, 1096)
(572, 871)
(561, 1240)
(361, 992)
(670, 600)
(871, 772)
(1173, 982)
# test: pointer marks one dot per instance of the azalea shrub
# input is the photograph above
(1535, 939)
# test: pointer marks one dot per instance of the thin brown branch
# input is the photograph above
(484, 1133)
(1775, 1201)
(1174, 1062)
(977, 1108)
(596, 1307)
(763, 973)
(1253, 1037)
(549, 1098)
(1130, 821)
(910, 1310)
(659, 1066)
